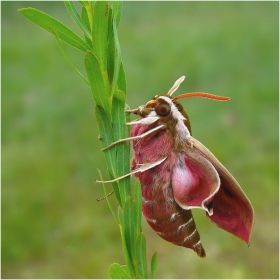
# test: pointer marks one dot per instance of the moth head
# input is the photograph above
(163, 105)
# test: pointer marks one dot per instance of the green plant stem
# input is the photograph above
(106, 79)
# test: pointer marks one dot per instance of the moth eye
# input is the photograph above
(163, 109)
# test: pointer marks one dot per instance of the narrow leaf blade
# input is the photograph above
(100, 32)
(107, 199)
(49, 23)
(76, 17)
(87, 24)
(141, 255)
(127, 256)
(96, 81)
(117, 272)
(138, 204)
(129, 226)
(106, 134)
(117, 10)
(69, 61)
(154, 263)
(123, 166)
(122, 79)
(116, 58)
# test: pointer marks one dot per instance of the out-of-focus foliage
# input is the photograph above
(52, 226)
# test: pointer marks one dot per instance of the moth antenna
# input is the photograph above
(203, 95)
(176, 85)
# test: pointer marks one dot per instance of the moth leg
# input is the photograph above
(104, 197)
(133, 111)
(134, 137)
(190, 141)
(144, 167)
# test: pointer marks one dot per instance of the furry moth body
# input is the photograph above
(178, 173)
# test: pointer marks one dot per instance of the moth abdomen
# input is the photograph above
(170, 221)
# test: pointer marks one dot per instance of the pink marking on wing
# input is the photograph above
(194, 181)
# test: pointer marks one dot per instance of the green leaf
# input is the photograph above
(138, 204)
(96, 81)
(119, 128)
(76, 17)
(117, 272)
(125, 268)
(69, 61)
(107, 136)
(127, 119)
(85, 3)
(154, 263)
(127, 257)
(118, 115)
(117, 10)
(141, 255)
(108, 201)
(120, 214)
(122, 80)
(130, 229)
(116, 58)
(87, 24)
(116, 189)
(100, 32)
(50, 24)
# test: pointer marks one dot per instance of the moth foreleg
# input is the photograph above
(144, 167)
(190, 141)
(135, 137)
(104, 197)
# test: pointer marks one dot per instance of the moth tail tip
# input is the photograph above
(200, 251)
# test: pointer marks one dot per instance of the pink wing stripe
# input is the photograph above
(194, 181)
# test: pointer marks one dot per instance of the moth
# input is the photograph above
(178, 173)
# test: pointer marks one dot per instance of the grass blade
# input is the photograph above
(107, 136)
(117, 11)
(107, 199)
(116, 57)
(87, 24)
(69, 61)
(96, 81)
(76, 17)
(138, 204)
(122, 79)
(117, 272)
(51, 24)
(154, 263)
(100, 32)
(129, 226)
(127, 257)
(119, 128)
(141, 255)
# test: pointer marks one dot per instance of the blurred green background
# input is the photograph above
(52, 226)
